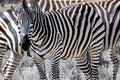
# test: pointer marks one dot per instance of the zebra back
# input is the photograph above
(55, 4)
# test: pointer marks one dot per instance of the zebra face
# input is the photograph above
(22, 19)
(29, 16)
(25, 25)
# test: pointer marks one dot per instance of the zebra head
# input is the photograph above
(33, 12)
(22, 20)
(26, 17)
(35, 17)
(23, 24)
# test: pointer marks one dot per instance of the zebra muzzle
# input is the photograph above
(25, 43)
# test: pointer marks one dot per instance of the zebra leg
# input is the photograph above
(41, 68)
(83, 63)
(3, 49)
(55, 68)
(55, 73)
(95, 64)
(115, 63)
(13, 62)
(95, 57)
(55, 63)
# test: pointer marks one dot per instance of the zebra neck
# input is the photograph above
(49, 28)
(39, 31)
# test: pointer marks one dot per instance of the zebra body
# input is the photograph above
(105, 11)
(99, 4)
(12, 40)
(67, 39)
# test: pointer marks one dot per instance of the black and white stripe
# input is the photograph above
(70, 39)
(9, 19)
(105, 11)
(55, 4)
(109, 12)
(10, 41)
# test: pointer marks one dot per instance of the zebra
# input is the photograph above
(43, 9)
(104, 9)
(11, 63)
(10, 40)
(47, 38)
(109, 12)
(101, 9)
(12, 44)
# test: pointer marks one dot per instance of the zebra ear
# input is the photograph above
(27, 9)
(35, 6)
(13, 8)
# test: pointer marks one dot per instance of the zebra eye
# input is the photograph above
(17, 21)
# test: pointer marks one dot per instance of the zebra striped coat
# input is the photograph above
(103, 12)
(109, 12)
(10, 40)
(67, 39)
(11, 43)
(11, 64)
(57, 7)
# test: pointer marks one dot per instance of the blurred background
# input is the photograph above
(68, 70)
